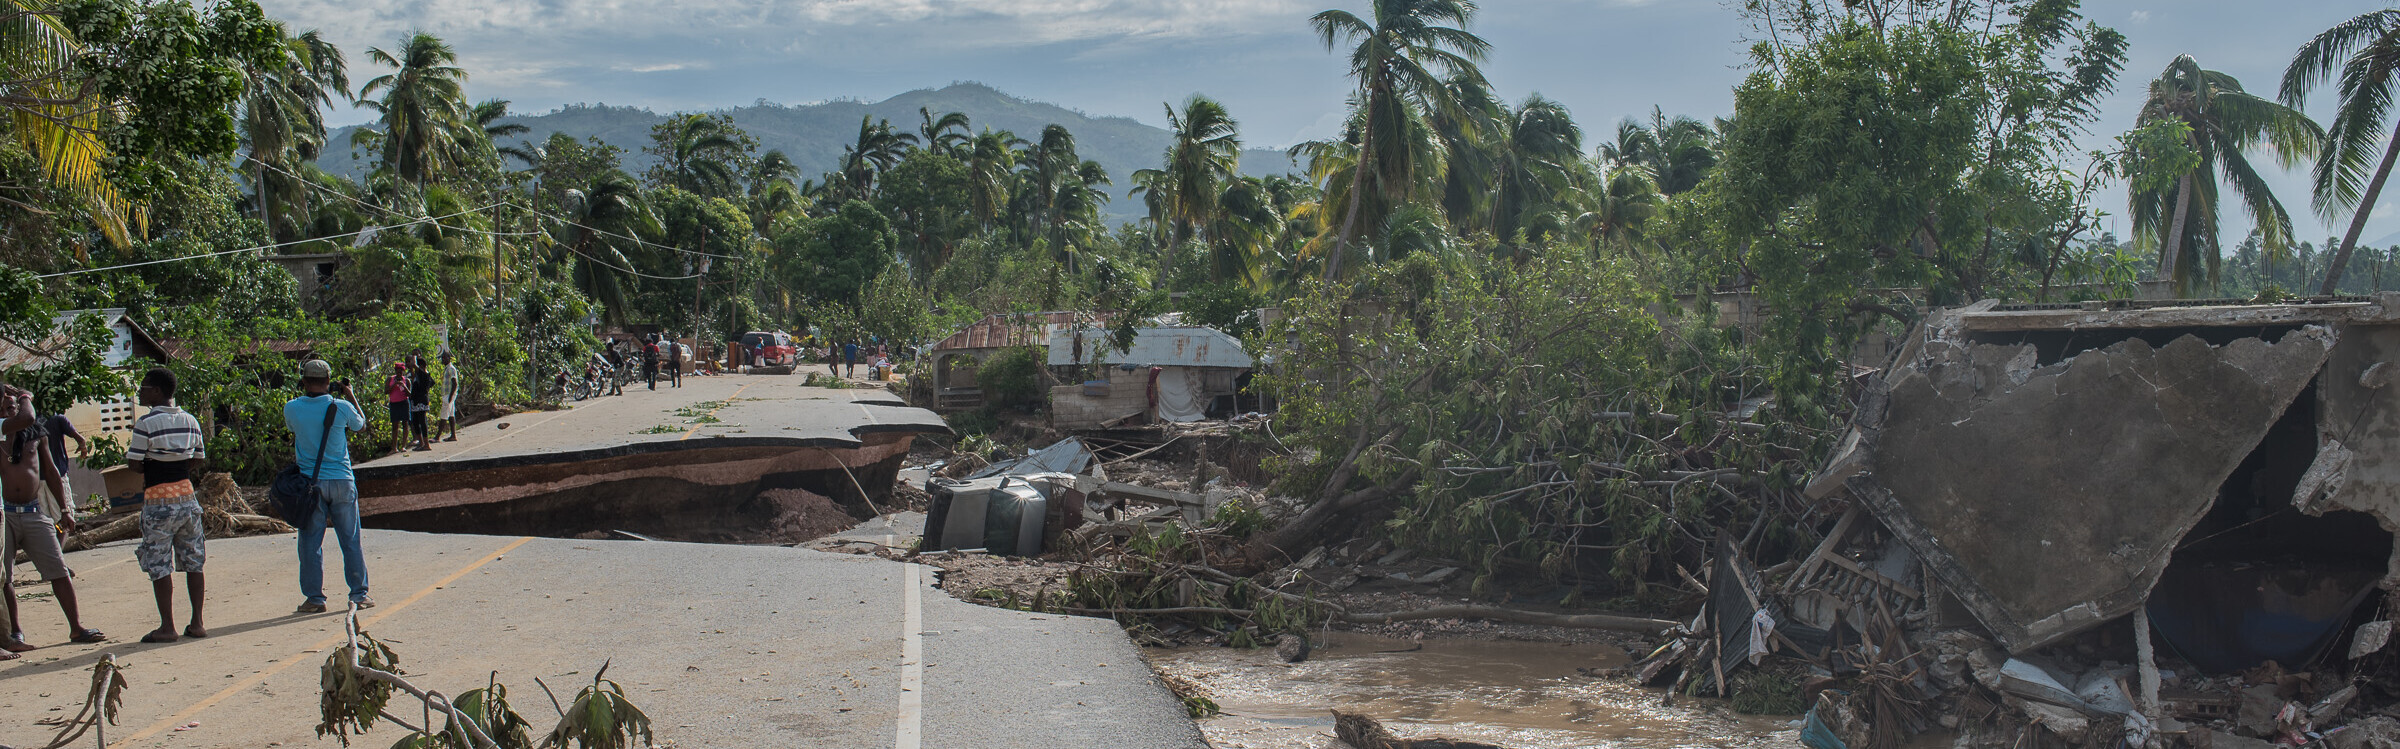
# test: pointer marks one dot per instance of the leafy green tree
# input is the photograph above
(599, 239)
(1621, 207)
(714, 236)
(927, 197)
(1205, 154)
(2367, 51)
(2224, 122)
(1399, 59)
(877, 148)
(422, 109)
(1877, 152)
(114, 96)
(832, 258)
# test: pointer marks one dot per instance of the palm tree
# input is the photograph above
(991, 161)
(1205, 154)
(51, 118)
(703, 157)
(1535, 159)
(1399, 61)
(946, 134)
(2224, 122)
(595, 242)
(483, 130)
(1626, 200)
(1678, 152)
(422, 110)
(282, 118)
(2367, 50)
(877, 148)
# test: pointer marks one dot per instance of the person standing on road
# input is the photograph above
(450, 389)
(59, 429)
(168, 449)
(420, 403)
(395, 396)
(616, 367)
(674, 362)
(650, 360)
(305, 416)
(850, 358)
(28, 482)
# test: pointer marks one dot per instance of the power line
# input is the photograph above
(535, 211)
(428, 219)
(388, 211)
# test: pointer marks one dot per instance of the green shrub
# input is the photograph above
(1012, 377)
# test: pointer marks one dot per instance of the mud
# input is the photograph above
(1517, 694)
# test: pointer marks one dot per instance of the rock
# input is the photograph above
(2259, 706)
(2068, 723)
(1291, 648)
(1436, 576)
(2214, 739)
(2377, 732)
(1397, 556)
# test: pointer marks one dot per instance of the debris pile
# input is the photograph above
(2148, 526)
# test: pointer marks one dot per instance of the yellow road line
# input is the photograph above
(737, 393)
(364, 622)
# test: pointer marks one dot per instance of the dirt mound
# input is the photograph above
(802, 515)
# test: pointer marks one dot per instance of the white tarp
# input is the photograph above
(1180, 397)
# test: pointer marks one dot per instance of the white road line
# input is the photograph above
(912, 661)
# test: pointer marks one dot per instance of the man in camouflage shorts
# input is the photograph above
(167, 448)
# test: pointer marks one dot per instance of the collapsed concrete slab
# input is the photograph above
(2049, 498)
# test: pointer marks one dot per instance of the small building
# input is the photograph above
(313, 272)
(1174, 374)
(953, 360)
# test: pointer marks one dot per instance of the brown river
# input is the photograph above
(1523, 695)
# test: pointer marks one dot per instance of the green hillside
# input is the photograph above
(813, 135)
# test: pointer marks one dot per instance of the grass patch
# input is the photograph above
(661, 429)
(699, 409)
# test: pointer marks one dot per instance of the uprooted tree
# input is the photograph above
(1540, 417)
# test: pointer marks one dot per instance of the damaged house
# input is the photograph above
(2162, 523)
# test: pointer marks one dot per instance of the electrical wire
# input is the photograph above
(396, 214)
(535, 211)
(429, 219)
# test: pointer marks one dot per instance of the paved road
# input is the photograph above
(724, 646)
(723, 410)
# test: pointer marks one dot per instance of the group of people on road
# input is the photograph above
(847, 356)
(408, 393)
(658, 355)
(168, 448)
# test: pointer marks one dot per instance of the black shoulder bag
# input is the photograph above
(296, 495)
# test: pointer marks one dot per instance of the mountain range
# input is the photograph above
(813, 135)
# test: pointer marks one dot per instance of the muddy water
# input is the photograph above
(1514, 694)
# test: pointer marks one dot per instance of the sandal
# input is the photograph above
(88, 635)
(14, 646)
(155, 637)
(194, 630)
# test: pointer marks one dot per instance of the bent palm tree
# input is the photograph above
(946, 134)
(1399, 62)
(2367, 50)
(282, 118)
(2225, 122)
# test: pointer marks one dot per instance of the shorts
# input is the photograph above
(399, 412)
(449, 408)
(172, 540)
(416, 419)
(37, 534)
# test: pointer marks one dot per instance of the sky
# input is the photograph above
(1604, 59)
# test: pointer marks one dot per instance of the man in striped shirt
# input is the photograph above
(168, 449)
(31, 486)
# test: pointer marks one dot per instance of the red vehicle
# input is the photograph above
(770, 348)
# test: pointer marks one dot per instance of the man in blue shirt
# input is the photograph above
(305, 416)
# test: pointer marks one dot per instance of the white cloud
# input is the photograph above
(2141, 16)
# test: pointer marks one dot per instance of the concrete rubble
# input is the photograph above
(2113, 524)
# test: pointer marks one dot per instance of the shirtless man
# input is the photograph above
(28, 481)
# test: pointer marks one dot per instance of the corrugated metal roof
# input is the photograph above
(1152, 347)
